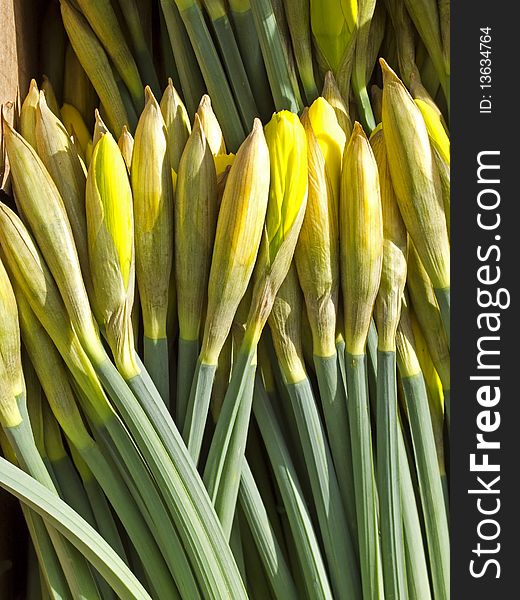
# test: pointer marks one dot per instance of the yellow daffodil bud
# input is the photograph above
(317, 250)
(177, 123)
(435, 128)
(10, 336)
(333, 24)
(407, 360)
(28, 114)
(50, 96)
(45, 212)
(110, 227)
(126, 146)
(395, 251)
(10, 415)
(76, 127)
(211, 126)
(361, 237)
(415, 178)
(285, 323)
(239, 230)
(60, 157)
(287, 144)
(153, 216)
(195, 224)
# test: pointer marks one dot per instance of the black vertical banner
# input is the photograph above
(485, 397)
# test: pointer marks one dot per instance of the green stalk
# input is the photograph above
(227, 449)
(264, 536)
(235, 70)
(306, 543)
(392, 544)
(415, 555)
(235, 543)
(99, 504)
(430, 486)
(71, 526)
(198, 407)
(74, 566)
(443, 298)
(337, 541)
(169, 66)
(213, 73)
(187, 363)
(359, 72)
(257, 582)
(51, 570)
(285, 95)
(181, 489)
(158, 366)
(249, 46)
(191, 80)
(334, 402)
(142, 54)
(364, 483)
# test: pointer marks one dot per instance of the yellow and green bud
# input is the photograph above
(361, 238)
(407, 360)
(211, 126)
(50, 96)
(28, 114)
(126, 146)
(333, 96)
(10, 337)
(317, 250)
(395, 252)
(195, 224)
(415, 178)
(153, 217)
(110, 227)
(239, 230)
(76, 127)
(177, 123)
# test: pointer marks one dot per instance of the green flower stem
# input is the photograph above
(75, 529)
(190, 77)
(235, 71)
(213, 73)
(251, 52)
(181, 488)
(116, 438)
(443, 298)
(142, 54)
(74, 566)
(257, 581)
(371, 354)
(158, 366)
(305, 541)
(285, 95)
(392, 544)
(169, 67)
(51, 570)
(198, 408)
(430, 486)
(416, 565)
(226, 454)
(364, 483)
(335, 534)
(187, 364)
(235, 543)
(264, 537)
(334, 401)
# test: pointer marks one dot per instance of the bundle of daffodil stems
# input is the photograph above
(225, 300)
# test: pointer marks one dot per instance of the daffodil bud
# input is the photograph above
(28, 114)
(317, 250)
(407, 360)
(237, 239)
(10, 336)
(177, 123)
(333, 96)
(435, 128)
(422, 297)
(99, 129)
(126, 146)
(110, 227)
(10, 415)
(361, 237)
(211, 126)
(45, 212)
(76, 127)
(332, 25)
(60, 157)
(395, 251)
(285, 323)
(50, 96)
(415, 178)
(153, 216)
(195, 224)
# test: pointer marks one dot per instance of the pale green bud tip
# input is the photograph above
(211, 126)
(287, 144)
